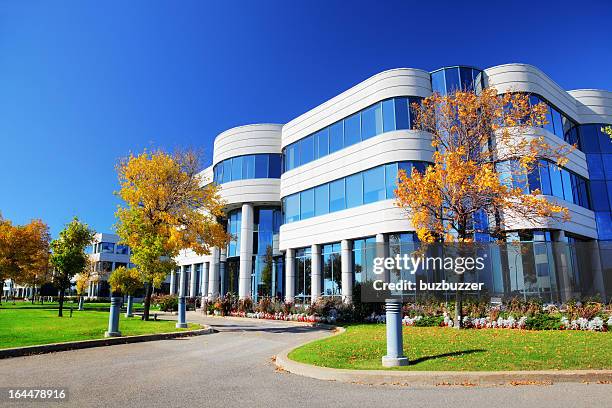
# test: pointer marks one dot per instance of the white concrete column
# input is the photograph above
(193, 282)
(172, 282)
(346, 261)
(204, 280)
(182, 281)
(316, 285)
(246, 250)
(213, 274)
(382, 251)
(290, 275)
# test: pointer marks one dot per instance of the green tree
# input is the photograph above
(68, 256)
(167, 208)
(125, 280)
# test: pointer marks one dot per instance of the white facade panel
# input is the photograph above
(387, 84)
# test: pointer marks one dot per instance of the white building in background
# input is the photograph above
(307, 200)
(106, 255)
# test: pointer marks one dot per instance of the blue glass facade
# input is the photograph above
(248, 167)
(597, 147)
(559, 123)
(375, 184)
(388, 115)
(450, 79)
(550, 180)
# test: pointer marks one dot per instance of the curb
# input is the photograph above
(110, 341)
(438, 378)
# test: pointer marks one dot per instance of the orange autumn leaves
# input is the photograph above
(473, 135)
(24, 252)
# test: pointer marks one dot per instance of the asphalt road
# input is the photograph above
(233, 368)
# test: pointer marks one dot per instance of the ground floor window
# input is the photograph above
(303, 275)
(332, 269)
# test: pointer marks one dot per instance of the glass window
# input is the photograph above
(274, 170)
(227, 171)
(374, 185)
(336, 137)
(122, 249)
(322, 143)
(321, 199)
(388, 110)
(336, 195)
(605, 143)
(596, 169)
(371, 121)
(237, 168)
(401, 113)
(107, 247)
(604, 225)
(332, 271)
(556, 119)
(607, 165)
(248, 167)
(452, 80)
(412, 100)
(567, 185)
(261, 166)
(354, 190)
(534, 180)
(545, 178)
(352, 130)
(599, 196)
(290, 157)
(306, 150)
(292, 208)
(390, 179)
(307, 204)
(437, 82)
(466, 78)
(589, 139)
(555, 181)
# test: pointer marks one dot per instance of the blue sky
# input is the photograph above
(83, 83)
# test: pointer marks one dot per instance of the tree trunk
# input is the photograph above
(61, 303)
(1, 294)
(147, 303)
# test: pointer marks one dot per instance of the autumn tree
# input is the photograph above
(68, 256)
(167, 209)
(127, 281)
(81, 284)
(24, 253)
(485, 150)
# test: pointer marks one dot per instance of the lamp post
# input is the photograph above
(181, 323)
(395, 348)
(113, 318)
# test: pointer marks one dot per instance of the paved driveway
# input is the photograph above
(233, 368)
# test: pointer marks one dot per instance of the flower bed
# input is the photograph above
(524, 322)
(291, 317)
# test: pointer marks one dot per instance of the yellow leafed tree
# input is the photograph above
(475, 136)
(167, 209)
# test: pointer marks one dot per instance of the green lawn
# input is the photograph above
(21, 326)
(441, 348)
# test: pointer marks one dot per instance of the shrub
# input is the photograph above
(429, 321)
(543, 322)
(166, 303)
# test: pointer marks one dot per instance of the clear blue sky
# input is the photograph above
(83, 83)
